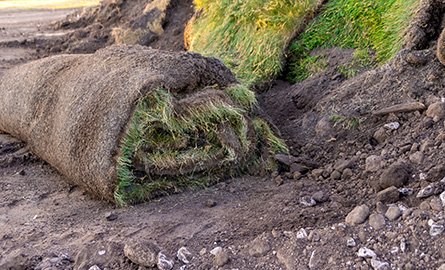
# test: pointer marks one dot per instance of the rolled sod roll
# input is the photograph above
(129, 123)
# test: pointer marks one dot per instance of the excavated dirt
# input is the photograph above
(345, 151)
(92, 28)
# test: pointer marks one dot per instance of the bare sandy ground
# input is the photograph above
(19, 27)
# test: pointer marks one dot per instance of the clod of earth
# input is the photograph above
(128, 123)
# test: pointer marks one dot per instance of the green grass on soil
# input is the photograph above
(189, 149)
(249, 36)
(377, 25)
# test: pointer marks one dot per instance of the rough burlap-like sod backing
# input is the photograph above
(128, 123)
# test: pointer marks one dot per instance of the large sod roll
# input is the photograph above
(128, 123)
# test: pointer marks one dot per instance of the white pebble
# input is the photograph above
(436, 229)
(350, 242)
(392, 125)
(378, 265)
(442, 198)
(216, 250)
(366, 253)
(184, 255)
(302, 234)
(164, 263)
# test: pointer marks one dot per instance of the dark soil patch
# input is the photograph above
(92, 28)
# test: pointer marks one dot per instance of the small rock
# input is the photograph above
(341, 165)
(302, 234)
(324, 128)
(436, 111)
(393, 213)
(307, 201)
(221, 258)
(432, 189)
(403, 245)
(442, 267)
(347, 173)
(436, 173)
(315, 259)
(317, 172)
(436, 204)
(425, 206)
(442, 198)
(164, 263)
(320, 197)
(381, 208)
(377, 221)
(389, 195)
(216, 250)
(210, 203)
(259, 247)
(286, 160)
(392, 126)
(380, 135)
(373, 163)
(313, 236)
(203, 251)
(142, 253)
(94, 267)
(426, 145)
(364, 252)
(184, 255)
(378, 265)
(350, 242)
(417, 158)
(110, 216)
(436, 229)
(296, 167)
(279, 180)
(358, 215)
(335, 175)
(396, 175)
(296, 175)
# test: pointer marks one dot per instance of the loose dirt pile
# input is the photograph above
(158, 24)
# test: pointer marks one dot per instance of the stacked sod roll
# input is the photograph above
(130, 123)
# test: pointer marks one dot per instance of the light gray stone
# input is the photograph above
(393, 213)
(358, 215)
(377, 221)
(373, 163)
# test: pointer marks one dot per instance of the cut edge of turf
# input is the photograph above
(157, 131)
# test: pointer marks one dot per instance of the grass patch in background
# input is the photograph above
(378, 25)
(47, 4)
(249, 36)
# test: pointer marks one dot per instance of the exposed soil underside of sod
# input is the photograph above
(258, 220)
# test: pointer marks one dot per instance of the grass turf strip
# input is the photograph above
(376, 26)
(165, 149)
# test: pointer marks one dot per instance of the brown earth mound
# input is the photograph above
(158, 24)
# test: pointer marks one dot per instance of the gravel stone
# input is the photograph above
(377, 221)
(142, 252)
(358, 215)
(393, 213)
(373, 163)
(388, 195)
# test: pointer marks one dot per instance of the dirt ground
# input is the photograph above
(19, 29)
(288, 221)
